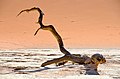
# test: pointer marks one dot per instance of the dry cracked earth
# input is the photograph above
(25, 64)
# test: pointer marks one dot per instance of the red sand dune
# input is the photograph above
(81, 23)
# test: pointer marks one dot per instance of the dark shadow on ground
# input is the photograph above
(37, 70)
(88, 71)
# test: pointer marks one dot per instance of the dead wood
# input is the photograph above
(67, 55)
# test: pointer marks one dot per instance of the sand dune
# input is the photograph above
(89, 23)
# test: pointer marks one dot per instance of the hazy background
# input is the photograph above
(81, 23)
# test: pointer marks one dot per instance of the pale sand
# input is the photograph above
(28, 61)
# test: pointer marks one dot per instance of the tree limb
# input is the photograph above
(67, 55)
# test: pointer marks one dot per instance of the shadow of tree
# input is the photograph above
(91, 72)
(37, 70)
(88, 71)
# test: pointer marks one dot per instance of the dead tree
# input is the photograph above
(67, 55)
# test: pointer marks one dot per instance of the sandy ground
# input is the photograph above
(25, 64)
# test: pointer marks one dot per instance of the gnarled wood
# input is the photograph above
(68, 56)
(49, 28)
(65, 58)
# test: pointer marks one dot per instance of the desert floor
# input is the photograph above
(25, 64)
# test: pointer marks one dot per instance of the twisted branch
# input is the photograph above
(49, 28)
(68, 56)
